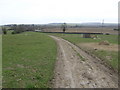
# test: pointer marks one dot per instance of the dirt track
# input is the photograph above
(76, 69)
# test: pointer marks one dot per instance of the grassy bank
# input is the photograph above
(28, 60)
(111, 57)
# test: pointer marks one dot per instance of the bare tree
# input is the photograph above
(64, 26)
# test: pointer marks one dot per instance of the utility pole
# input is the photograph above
(102, 25)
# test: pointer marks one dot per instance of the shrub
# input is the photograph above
(5, 32)
(13, 32)
(16, 32)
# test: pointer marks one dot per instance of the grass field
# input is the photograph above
(77, 38)
(28, 60)
(111, 57)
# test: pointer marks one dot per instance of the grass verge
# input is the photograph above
(28, 60)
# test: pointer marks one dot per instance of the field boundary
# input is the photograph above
(72, 32)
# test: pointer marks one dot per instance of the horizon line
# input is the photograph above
(61, 23)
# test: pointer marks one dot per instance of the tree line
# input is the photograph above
(20, 28)
(16, 29)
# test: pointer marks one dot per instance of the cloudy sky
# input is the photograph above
(57, 11)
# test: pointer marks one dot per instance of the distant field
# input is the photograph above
(84, 29)
(28, 60)
(107, 53)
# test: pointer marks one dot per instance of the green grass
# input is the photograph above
(83, 59)
(9, 32)
(28, 60)
(112, 39)
(110, 57)
(77, 38)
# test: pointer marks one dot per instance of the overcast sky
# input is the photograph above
(57, 11)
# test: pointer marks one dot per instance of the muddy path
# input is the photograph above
(76, 69)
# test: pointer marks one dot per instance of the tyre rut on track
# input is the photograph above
(75, 68)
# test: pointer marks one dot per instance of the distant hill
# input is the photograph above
(100, 24)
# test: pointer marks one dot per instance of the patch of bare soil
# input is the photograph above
(111, 47)
(76, 69)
